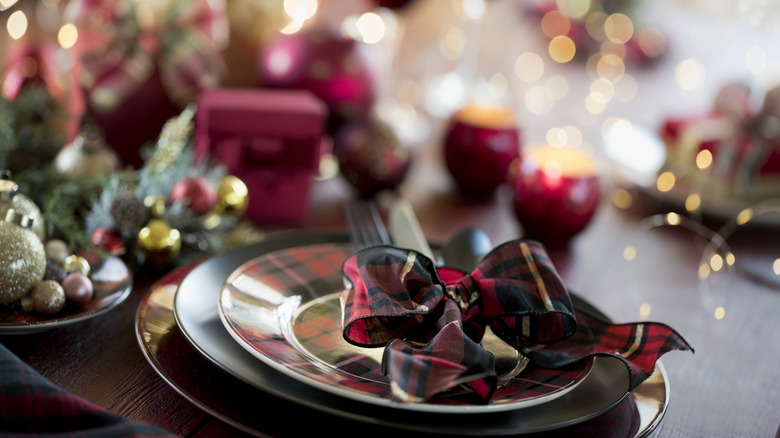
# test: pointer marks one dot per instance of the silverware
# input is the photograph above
(405, 229)
(466, 248)
(365, 224)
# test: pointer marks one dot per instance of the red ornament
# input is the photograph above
(370, 156)
(325, 63)
(479, 147)
(198, 192)
(556, 193)
(108, 240)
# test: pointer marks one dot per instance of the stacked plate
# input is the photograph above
(253, 333)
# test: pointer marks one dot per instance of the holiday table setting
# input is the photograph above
(446, 218)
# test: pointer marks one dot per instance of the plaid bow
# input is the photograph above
(431, 328)
(122, 44)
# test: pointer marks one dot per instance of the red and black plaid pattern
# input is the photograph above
(30, 405)
(432, 328)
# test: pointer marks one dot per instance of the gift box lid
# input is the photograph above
(291, 114)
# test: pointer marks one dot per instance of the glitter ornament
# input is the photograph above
(87, 156)
(57, 250)
(370, 156)
(198, 193)
(10, 198)
(22, 258)
(47, 297)
(232, 196)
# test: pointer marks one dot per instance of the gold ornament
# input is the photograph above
(159, 239)
(22, 258)
(232, 196)
(87, 157)
(11, 199)
(156, 205)
(57, 251)
(74, 263)
(48, 297)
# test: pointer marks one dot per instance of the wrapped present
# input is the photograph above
(141, 63)
(733, 149)
(271, 139)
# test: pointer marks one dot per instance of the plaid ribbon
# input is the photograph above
(121, 44)
(431, 320)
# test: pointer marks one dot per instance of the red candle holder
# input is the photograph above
(480, 145)
(557, 191)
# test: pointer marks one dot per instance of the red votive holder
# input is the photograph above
(556, 192)
(480, 145)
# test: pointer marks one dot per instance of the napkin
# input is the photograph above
(430, 322)
(30, 405)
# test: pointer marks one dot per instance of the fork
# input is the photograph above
(365, 224)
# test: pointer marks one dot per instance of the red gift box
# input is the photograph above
(272, 140)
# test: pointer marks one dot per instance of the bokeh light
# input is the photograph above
(5, 4)
(537, 101)
(557, 86)
(756, 59)
(621, 198)
(555, 23)
(67, 36)
(690, 74)
(704, 159)
(17, 25)
(529, 67)
(693, 202)
(562, 49)
(629, 253)
(666, 181)
(618, 28)
(574, 8)
(371, 28)
(451, 45)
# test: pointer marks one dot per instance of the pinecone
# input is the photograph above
(129, 212)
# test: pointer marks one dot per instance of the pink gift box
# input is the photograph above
(272, 140)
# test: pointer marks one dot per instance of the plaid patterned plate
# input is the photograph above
(283, 307)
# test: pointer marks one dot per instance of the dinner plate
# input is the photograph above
(283, 307)
(640, 165)
(197, 318)
(112, 285)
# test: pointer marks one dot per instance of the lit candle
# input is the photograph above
(480, 144)
(556, 192)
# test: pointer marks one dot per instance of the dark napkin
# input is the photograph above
(30, 405)
(431, 328)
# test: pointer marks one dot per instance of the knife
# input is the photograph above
(405, 229)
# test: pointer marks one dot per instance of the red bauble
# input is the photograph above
(480, 145)
(325, 63)
(108, 240)
(198, 192)
(556, 193)
(370, 156)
